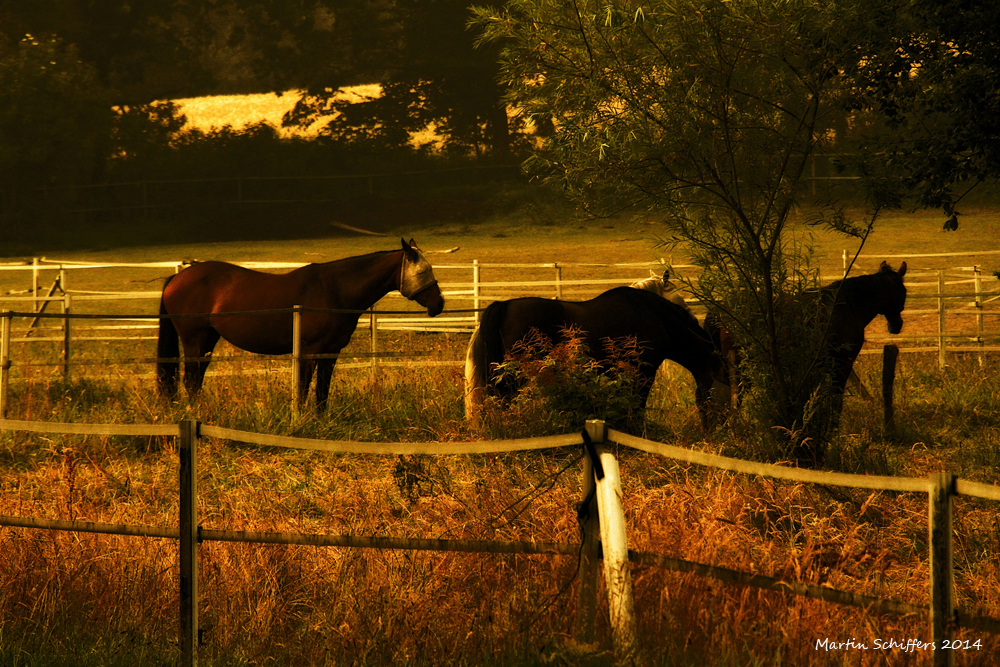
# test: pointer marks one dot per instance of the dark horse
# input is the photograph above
(204, 293)
(662, 329)
(853, 303)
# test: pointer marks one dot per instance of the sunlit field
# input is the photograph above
(240, 111)
(71, 598)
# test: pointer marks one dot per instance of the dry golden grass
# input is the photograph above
(240, 111)
(304, 606)
(85, 599)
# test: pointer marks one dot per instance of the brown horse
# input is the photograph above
(210, 300)
(853, 303)
(662, 329)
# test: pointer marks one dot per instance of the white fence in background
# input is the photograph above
(964, 301)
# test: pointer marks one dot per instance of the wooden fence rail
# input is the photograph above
(600, 475)
(944, 301)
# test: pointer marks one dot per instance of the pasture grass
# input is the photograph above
(92, 600)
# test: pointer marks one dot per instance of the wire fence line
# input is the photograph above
(980, 305)
(600, 472)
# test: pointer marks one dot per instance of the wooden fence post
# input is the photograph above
(614, 546)
(374, 342)
(590, 550)
(4, 360)
(34, 283)
(67, 307)
(890, 353)
(476, 293)
(189, 541)
(980, 332)
(942, 345)
(296, 359)
(942, 486)
(558, 280)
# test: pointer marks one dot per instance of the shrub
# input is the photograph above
(561, 385)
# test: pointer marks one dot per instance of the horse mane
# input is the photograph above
(356, 258)
(854, 289)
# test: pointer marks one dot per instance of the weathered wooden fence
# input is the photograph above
(962, 291)
(947, 292)
(604, 531)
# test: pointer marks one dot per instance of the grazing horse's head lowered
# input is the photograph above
(417, 281)
(662, 330)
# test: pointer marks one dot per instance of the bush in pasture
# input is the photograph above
(661, 138)
(561, 385)
(786, 383)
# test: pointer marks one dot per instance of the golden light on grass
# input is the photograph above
(306, 605)
(240, 111)
(299, 605)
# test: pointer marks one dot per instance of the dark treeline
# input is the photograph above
(85, 90)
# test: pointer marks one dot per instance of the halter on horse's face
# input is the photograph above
(417, 281)
(415, 274)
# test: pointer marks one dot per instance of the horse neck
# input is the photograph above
(691, 348)
(864, 294)
(365, 279)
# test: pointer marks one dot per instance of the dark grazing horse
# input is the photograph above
(662, 329)
(853, 303)
(202, 295)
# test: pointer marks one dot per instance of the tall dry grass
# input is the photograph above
(68, 598)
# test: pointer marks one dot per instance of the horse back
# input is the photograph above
(214, 287)
(663, 329)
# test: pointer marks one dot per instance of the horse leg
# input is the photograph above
(837, 399)
(306, 368)
(324, 373)
(199, 349)
(709, 395)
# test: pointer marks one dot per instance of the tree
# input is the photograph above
(52, 112)
(930, 93)
(705, 113)
(430, 72)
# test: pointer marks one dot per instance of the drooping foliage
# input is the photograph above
(705, 114)
(927, 102)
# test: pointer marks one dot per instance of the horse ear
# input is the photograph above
(884, 266)
(902, 270)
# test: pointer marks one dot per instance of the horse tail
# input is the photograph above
(485, 349)
(475, 376)
(167, 347)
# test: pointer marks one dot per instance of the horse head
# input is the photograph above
(417, 281)
(894, 296)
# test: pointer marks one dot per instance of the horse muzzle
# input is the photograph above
(895, 324)
(430, 298)
(435, 308)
